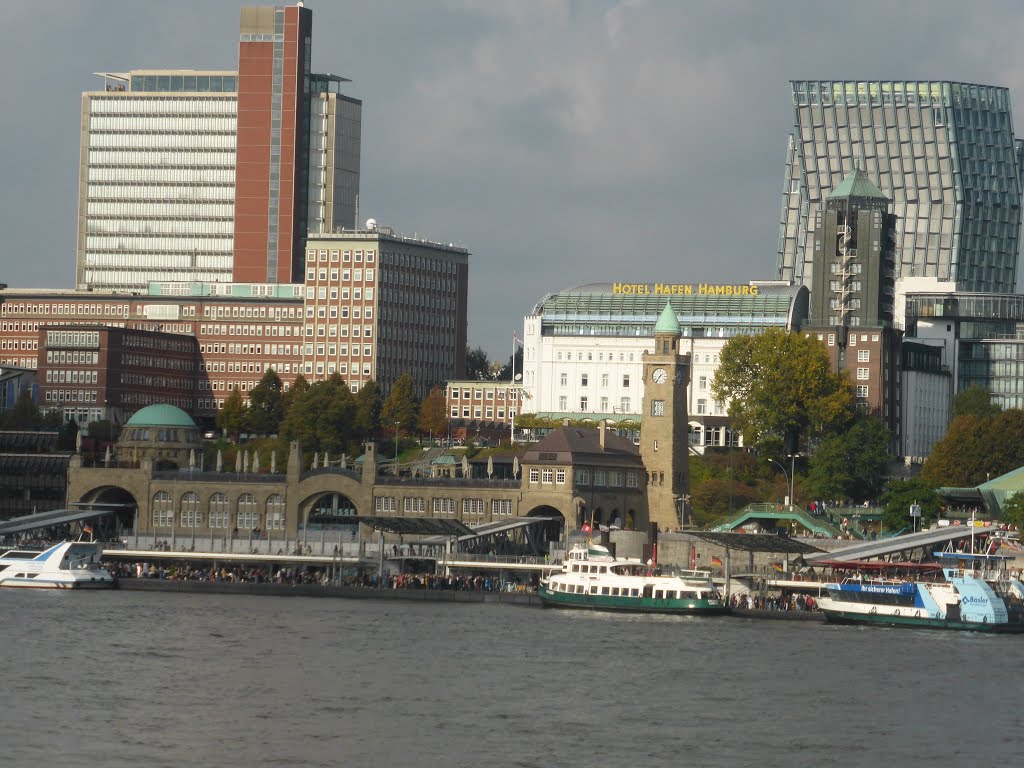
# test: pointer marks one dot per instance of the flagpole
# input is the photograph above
(512, 415)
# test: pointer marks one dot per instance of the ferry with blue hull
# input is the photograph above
(591, 578)
(967, 596)
(69, 565)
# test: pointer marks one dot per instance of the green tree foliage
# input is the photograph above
(266, 405)
(851, 464)
(400, 406)
(24, 415)
(296, 390)
(505, 374)
(973, 401)
(1012, 510)
(433, 418)
(896, 501)
(231, 416)
(322, 417)
(478, 366)
(975, 449)
(781, 389)
(104, 430)
(368, 405)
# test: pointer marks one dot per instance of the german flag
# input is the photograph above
(778, 567)
(716, 560)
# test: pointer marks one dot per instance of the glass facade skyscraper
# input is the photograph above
(944, 153)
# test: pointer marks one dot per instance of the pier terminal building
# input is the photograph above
(156, 485)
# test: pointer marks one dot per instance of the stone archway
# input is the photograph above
(117, 500)
(548, 531)
(329, 511)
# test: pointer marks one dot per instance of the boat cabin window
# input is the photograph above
(579, 589)
(634, 592)
(593, 590)
(575, 567)
(604, 590)
(603, 570)
(658, 595)
(615, 591)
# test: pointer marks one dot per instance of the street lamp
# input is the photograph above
(789, 478)
(397, 425)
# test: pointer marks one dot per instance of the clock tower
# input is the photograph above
(664, 431)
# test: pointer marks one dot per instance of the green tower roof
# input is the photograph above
(161, 415)
(668, 322)
(857, 184)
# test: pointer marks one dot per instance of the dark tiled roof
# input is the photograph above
(574, 443)
(25, 442)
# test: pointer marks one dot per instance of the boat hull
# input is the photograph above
(686, 606)
(922, 622)
(47, 584)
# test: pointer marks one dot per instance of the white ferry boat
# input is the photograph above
(69, 565)
(592, 578)
(964, 595)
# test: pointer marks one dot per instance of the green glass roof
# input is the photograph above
(857, 184)
(161, 415)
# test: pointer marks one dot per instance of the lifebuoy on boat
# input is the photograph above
(873, 610)
(917, 615)
(896, 612)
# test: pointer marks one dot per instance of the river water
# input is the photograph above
(144, 680)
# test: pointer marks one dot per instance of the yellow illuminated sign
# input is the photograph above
(682, 289)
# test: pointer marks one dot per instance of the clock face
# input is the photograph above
(659, 376)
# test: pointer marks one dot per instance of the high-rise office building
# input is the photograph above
(217, 176)
(944, 153)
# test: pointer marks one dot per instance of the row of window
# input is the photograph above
(346, 257)
(478, 413)
(356, 275)
(589, 356)
(442, 506)
(246, 515)
(624, 406)
(585, 379)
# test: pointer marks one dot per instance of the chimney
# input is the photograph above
(601, 429)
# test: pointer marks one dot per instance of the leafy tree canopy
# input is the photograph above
(896, 501)
(1012, 510)
(231, 416)
(24, 415)
(851, 464)
(368, 405)
(478, 366)
(433, 417)
(266, 405)
(781, 389)
(973, 401)
(400, 406)
(976, 449)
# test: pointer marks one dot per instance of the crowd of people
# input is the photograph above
(792, 602)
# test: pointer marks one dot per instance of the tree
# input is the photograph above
(781, 389)
(231, 416)
(24, 415)
(296, 390)
(896, 501)
(368, 404)
(434, 413)
(851, 464)
(334, 410)
(478, 366)
(1012, 510)
(400, 406)
(973, 401)
(266, 405)
(505, 374)
(976, 449)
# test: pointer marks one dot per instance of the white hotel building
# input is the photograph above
(582, 347)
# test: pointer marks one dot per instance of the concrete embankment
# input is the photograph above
(318, 590)
(527, 599)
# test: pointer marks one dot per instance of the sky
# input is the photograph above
(561, 141)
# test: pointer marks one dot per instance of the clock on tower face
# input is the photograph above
(659, 376)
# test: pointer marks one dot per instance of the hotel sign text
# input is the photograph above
(685, 289)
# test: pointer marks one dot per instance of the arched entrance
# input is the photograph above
(119, 506)
(544, 532)
(332, 512)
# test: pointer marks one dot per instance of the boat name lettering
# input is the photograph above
(895, 589)
(974, 600)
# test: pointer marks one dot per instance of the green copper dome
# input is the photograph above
(161, 415)
(668, 322)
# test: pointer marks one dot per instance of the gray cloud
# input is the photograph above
(562, 142)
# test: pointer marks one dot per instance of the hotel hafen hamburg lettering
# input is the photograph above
(682, 289)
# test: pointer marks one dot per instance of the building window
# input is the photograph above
(581, 476)
(863, 355)
(248, 512)
(625, 379)
(657, 408)
(191, 517)
(583, 403)
(862, 374)
(163, 510)
(547, 475)
(702, 406)
(564, 379)
(862, 390)
(534, 475)
(583, 380)
(560, 476)
(219, 516)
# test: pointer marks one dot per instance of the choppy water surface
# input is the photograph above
(138, 679)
